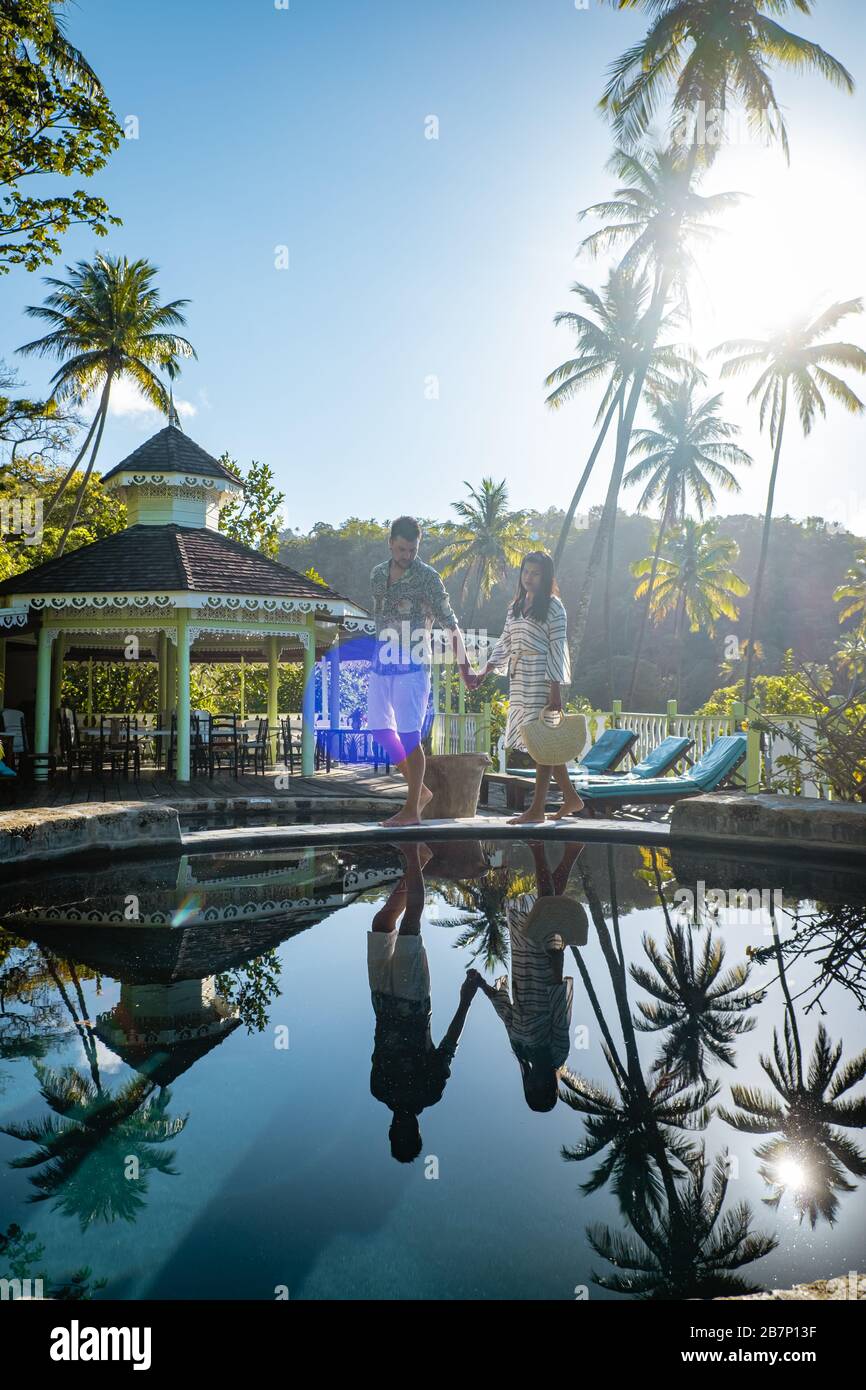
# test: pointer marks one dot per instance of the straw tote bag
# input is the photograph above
(560, 916)
(554, 737)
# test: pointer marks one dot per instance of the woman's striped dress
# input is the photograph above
(537, 1016)
(535, 654)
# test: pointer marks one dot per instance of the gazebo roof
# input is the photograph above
(172, 451)
(169, 558)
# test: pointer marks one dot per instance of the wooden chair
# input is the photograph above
(118, 745)
(75, 753)
(224, 743)
(257, 749)
(13, 736)
(288, 743)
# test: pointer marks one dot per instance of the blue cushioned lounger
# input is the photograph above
(707, 775)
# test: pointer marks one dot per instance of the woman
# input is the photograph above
(534, 648)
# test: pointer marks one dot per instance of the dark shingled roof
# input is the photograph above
(158, 559)
(172, 451)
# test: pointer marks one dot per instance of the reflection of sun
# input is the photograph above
(791, 1174)
(785, 251)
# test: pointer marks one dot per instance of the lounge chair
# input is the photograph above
(709, 773)
(604, 755)
(657, 763)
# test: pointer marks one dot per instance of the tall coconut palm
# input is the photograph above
(106, 322)
(487, 541)
(711, 54)
(795, 362)
(657, 214)
(694, 581)
(679, 461)
(609, 348)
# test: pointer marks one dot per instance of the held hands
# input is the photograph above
(472, 679)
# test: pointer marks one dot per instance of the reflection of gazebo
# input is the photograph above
(183, 590)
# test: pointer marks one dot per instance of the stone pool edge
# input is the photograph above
(755, 825)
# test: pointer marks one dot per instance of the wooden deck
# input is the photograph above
(154, 785)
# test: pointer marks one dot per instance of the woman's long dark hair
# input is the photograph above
(549, 586)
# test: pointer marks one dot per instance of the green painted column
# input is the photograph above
(56, 687)
(43, 698)
(183, 710)
(461, 711)
(2, 672)
(243, 688)
(162, 643)
(90, 690)
(170, 678)
(308, 709)
(437, 697)
(273, 693)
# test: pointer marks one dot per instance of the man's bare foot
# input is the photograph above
(572, 807)
(530, 817)
(408, 815)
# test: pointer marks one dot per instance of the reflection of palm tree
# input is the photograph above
(642, 1123)
(703, 1008)
(638, 1124)
(807, 1154)
(88, 1143)
(483, 930)
(687, 1251)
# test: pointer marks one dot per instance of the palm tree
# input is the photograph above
(808, 1153)
(694, 581)
(795, 361)
(710, 53)
(106, 322)
(679, 461)
(610, 345)
(702, 1009)
(488, 541)
(658, 214)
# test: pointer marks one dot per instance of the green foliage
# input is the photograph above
(217, 688)
(254, 519)
(783, 694)
(29, 479)
(55, 121)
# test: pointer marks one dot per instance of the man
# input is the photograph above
(407, 597)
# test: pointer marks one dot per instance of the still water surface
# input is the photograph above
(392, 1074)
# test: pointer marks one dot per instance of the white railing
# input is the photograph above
(468, 732)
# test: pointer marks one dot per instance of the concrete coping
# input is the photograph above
(782, 823)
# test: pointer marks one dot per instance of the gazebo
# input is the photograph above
(172, 578)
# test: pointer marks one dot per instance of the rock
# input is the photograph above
(846, 1286)
(455, 781)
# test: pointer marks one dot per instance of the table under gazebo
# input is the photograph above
(172, 588)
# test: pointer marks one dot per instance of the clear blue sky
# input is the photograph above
(413, 258)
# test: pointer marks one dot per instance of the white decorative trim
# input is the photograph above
(79, 602)
(250, 604)
(205, 629)
(12, 618)
(73, 633)
(359, 625)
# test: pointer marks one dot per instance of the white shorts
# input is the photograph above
(397, 965)
(398, 702)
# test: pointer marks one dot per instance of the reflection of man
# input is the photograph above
(407, 596)
(408, 1071)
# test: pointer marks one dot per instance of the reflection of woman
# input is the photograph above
(408, 1072)
(534, 647)
(537, 1012)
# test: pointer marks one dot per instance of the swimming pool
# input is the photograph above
(236, 1073)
